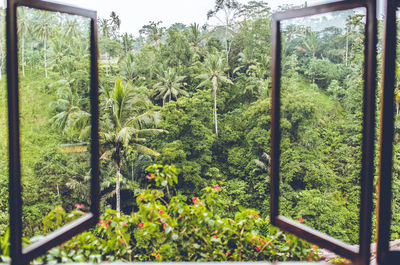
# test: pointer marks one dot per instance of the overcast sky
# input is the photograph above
(136, 13)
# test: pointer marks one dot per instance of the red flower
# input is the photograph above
(179, 217)
(258, 248)
(109, 220)
(215, 236)
(227, 253)
(165, 225)
(288, 242)
(101, 222)
(124, 224)
(217, 188)
(158, 255)
(194, 199)
(301, 219)
(254, 215)
(161, 211)
(309, 259)
(76, 205)
(140, 225)
(105, 225)
(140, 198)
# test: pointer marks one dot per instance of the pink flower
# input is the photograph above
(301, 219)
(227, 253)
(258, 248)
(140, 225)
(194, 199)
(217, 188)
(124, 224)
(288, 242)
(254, 215)
(140, 198)
(161, 211)
(76, 205)
(84, 213)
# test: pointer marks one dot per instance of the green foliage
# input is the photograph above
(177, 229)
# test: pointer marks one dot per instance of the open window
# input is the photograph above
(361, 254)
(20, 255)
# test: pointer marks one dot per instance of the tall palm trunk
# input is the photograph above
(215, 109)
(118, 189)
(45, 55)
(22, 52)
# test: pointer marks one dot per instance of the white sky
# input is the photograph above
(136, 13)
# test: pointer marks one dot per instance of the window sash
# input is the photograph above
(360, 255)
(18, 254)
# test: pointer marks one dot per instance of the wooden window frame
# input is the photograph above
(360, 255)
(20, 255)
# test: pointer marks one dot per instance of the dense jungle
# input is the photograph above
(185, 134)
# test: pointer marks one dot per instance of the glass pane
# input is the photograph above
(321, 121)
(3, 130)
(55, 120)
(395, 223)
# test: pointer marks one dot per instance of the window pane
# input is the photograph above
(3, 130)
(395, 223)
(55, 119)
(321, 121)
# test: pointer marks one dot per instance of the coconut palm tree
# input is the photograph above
(43, 28)
(213, 73)
(194, 37)
(22, 29)
(126, 124)
(169, 85)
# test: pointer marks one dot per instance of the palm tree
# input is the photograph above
(66, 104)
(213, 72)
(126, 121)
(104, 25)
(194, 37)
(22, 29)
(169, 85)
(43, 29)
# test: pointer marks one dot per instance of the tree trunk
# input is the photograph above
(215, 109)
(106, 63)
(347, 49)
(22, 52)
(118, 190)
(45, 56)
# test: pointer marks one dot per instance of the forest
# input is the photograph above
(185, 134)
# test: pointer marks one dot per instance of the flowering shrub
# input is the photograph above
(177, 228)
